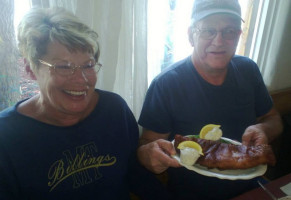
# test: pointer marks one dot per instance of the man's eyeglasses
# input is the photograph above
(91, 68)
(209, 34)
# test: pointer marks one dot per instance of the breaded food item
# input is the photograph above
(230, 156)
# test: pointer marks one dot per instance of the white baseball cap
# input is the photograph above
(204, 8)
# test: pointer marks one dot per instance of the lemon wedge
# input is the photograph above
(192, 145)
(190, 151)
(211, 132)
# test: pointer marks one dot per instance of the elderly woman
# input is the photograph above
(71, 141)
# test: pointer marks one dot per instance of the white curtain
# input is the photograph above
(121, 25)
(131, 70)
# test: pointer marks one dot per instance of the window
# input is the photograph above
(28, 87)
(168, 22)
(9, 76)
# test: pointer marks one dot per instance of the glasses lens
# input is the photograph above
(207, 34)
(91, 68)
(229, 34)
(97, 67)
(63, 69)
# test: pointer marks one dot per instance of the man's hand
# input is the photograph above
(254, 136)
(269, 127)
(156, 155)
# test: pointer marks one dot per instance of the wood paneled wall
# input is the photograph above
(282, 100)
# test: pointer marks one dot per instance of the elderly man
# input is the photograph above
(212, 86)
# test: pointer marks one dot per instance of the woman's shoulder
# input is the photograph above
(111, 98)
(9, 112)
(109, 95)
(110, 102)
(9, 120)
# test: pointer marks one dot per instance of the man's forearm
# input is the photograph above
(271, 124)
(143, 141)
(150, 136)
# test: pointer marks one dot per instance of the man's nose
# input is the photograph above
(218, 39)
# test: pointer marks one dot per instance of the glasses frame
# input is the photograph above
(200, 31)
(73, 67)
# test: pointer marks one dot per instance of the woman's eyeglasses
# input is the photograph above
(66, 69)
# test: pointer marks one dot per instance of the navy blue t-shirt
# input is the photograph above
(180, 101)
(94, 159)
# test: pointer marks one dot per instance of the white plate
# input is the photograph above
(285, 198)
(236, 174)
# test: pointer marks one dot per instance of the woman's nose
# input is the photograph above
(79, 74)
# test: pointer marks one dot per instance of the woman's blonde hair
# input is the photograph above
(41, 26)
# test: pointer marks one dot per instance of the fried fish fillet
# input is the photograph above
(229, 156)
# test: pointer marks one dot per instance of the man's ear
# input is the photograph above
(190, 36)
(29, 70)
